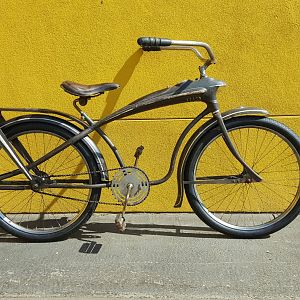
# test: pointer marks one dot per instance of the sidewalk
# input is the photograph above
(160, 256)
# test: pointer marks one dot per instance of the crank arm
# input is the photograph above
(120, 219)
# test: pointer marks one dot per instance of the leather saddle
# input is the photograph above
(87, 91)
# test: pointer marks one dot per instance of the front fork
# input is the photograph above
(247, 169)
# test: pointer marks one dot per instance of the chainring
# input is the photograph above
(139, 180)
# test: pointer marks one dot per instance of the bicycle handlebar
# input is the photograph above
(157, 44)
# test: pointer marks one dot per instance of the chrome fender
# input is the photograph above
(69, 127)
(210, 124)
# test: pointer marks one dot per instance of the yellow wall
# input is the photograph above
(43, 42)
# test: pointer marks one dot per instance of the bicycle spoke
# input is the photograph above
(227, 157)
(66, 158)
(266, 152)
(270, 166)
(58, 172)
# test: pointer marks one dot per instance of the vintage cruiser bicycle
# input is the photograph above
(239, 170)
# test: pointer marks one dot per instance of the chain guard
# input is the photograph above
(137, 178)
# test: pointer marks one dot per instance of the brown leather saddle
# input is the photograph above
(87, 91)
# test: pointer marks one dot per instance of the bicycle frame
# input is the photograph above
(202, 90)
(135, 107)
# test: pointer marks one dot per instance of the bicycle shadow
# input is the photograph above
(95, 230)
(122, 78)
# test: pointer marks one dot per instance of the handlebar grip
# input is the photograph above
(153, 43)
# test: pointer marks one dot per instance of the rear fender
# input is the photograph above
(69, 127)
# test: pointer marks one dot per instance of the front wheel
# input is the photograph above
(245, 209)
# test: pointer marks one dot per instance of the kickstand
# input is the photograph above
(120, 219)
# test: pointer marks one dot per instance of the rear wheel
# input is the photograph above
(246, 209)
(58, 212)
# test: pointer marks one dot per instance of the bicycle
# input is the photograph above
(240, 169)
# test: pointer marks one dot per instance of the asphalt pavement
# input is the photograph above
(159, 256)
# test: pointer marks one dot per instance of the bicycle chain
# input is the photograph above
(83, 173)
(77, 174)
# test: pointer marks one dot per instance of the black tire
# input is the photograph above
(246, 210)
(40, 217)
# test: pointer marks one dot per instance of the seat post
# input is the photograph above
(77, 107)
(83, 100)
(83, 115)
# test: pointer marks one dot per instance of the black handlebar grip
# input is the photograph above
(148, 42)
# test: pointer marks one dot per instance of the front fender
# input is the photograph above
(210, 124)
(66, 125)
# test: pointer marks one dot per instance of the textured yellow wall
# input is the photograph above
(43, 42)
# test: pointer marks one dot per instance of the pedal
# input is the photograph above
(138, 153)
(120, 223)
